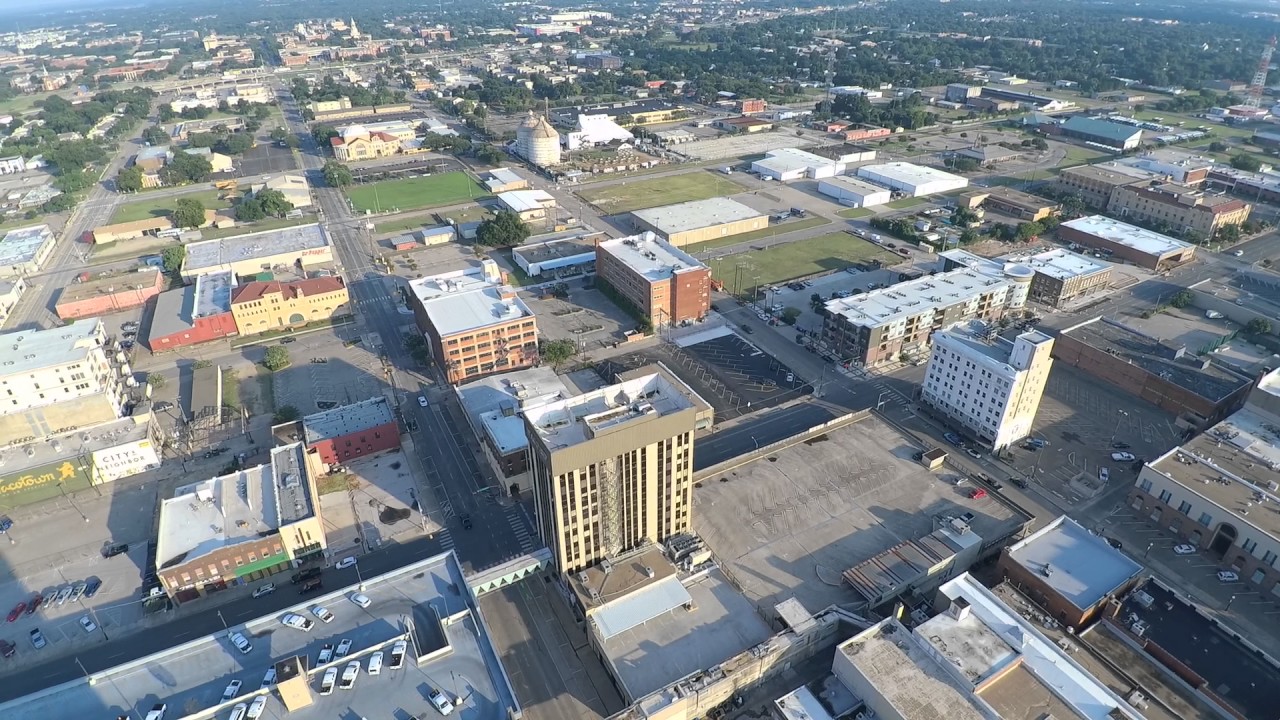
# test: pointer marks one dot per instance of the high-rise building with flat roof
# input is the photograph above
(612, 469)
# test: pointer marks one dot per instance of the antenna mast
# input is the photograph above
(1260, 77)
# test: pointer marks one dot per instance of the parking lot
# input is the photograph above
(586, 317)
(379, 507)
(348, 375)
(731, 373)
(268, 157)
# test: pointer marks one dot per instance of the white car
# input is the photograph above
(269, 679)
(1238, 253)
(321, 613)
(349, 675)
(1104, 474)
(330, 679)
(241, 642)
(63, 594)
(1184, 549)
(375, 663)
(397, 654)
(442, 703)
(233, 689)
(294, 620)
(361, 599)
(239, 711)
(1227, 576)
(422, 400)
(345, 563)
(326, 654)
(87, 624)
(344, 647)
(1122, 457)
(255, 710)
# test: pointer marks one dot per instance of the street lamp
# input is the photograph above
(1123, 414)
(224, 621)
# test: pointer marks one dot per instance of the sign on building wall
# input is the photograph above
(42, 483)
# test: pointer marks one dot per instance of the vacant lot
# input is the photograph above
(157, 207)
(627, 196)
(780, 263)
(415, 193)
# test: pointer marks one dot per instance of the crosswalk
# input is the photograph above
(521, 529)
(888, 393)
(445, 538)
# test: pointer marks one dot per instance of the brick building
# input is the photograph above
(1179, 207)
(1096, 183)
(351, 431)
(193, 314)
(262, 306)
(1122, 241)
(105, 295)
(664, 283)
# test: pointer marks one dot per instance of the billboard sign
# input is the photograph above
(43, 482)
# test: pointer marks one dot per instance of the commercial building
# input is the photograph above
(862, 133)
(1259, 187)
(504, 180)
(989, 155)
(474, 324)
(987, 384)
(1175, 165)
(11, 291)
(494, 406)
(193, 314)
(1007, 201)
(786, 164)
(977, 659)
(593, 130)
(112, 293)
(350, 112)
(73, 460)
(880, 326)
(360, 144)
(61, 378)
(1100, 133)
(1218, 492)
(912, 180)
(743, 124)
(602, 61)
(1095, 184)
(24, 250)
(1180, 207)
(300, 248)
(854, 192)
(1060, 275)
(961, 93)
(1069, 571)
(351, 431)
(262, 306)
(561, 258)
(530, 205)
(240, 527)
(696, 221)
(294, 188)
(636, 112)
(1164, 373)
(1122, 241)
(660, 281)
(612, 469)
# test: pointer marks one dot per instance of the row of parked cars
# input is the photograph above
(70, 593)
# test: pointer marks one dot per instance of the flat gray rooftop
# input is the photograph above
(24, 351)
(210, 254)
(1131, 236)
(76, 444)
(21, 245)
(791, 524)
(1079, 565)
(347, 419)
(696, 214)
(194, 674)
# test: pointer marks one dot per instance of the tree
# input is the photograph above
(278, 134)
(156, 381)
(322, 133)
(558, 352)
(1217, 146)
(292, 142)
(286, 413)
(1229, 234)
(1028, 230)
(1258, 326)
(189, 213)
(1181, 299)
(964, 217)
(273, 202)
(1246, 162)
(336, 174)
(502, 230)
(186, 168)
(172, 257)
(249, 210)
(790, 315)
(277, 358)
(129, 180)
(234, 144)
(155, 135)
(963, 164)
(489, 155)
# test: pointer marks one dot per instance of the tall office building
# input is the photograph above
(986, 383)
(612, 469)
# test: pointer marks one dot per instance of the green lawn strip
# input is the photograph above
(780, 263)
(779, 229)
(906, 202)
(855, 213)
(627, 196)
(160, 206)
(415, 193)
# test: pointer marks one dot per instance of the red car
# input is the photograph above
(35, 604)
(977, 494)
(16, 613)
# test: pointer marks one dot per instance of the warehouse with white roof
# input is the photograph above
(912, 180)
(698, 221)
(786, 164)
(853, 192)
(1122, 241)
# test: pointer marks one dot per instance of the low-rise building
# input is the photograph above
(912, 180)
(961, 93)
(360, 144)
(300, 247)
(558, 258)
(660, 281)
(262, 306)
(1179, 166)
(294, 188)
(1069, 571)
(786, 164)
(494, 406)
(1095, 184)
(192, 314)
(218, 162)
(24, 250)
(1122, 241)
(743, 124)
(638, 112)
(1101, 133)
(240, 527)
(110, 293)
(500, 180)
(11, 291)
(883, 325)
(987, 384)
(698, 221)
(1007, 201)
(854, 192)
(530, 205)
(1180, 207)
(352, 431)
(474, 324)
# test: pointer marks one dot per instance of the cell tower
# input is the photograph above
(1260, 77)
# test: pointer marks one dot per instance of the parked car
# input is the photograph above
(330, 679)
(17, 611)
(34, 605)
(114, 550)
(241, 642)
(62, 595)
(87, 624)
(1038, 442)
(322, 613)
(264, 591)
(294, 620)
(1120, 445)
(349, 675)
(257, 708)
(239, 711)
(1104, 474)
(233, 689)
(952, 438)
(77, 592)
(361, 599)
(1115, 543)
(375, 663)
(1184, 549)
(38, 641)
(269, 679)
(397, 654)
(977, 494)
(326, 654)
(1226, 576)
(91, 587)
(344, 647)
(7, 649)
(1122, 456)
(442, 703)
(157, 712)
(973, 453)
(304, 575)
(1018, 482)
(345, 563)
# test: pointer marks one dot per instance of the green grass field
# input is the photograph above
(415, 193)
(156, 207)
(855, 213)
(834, 251)
(906, 202)
(627, 196)
(778, 229)
(401, 225)
(1081, 155)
